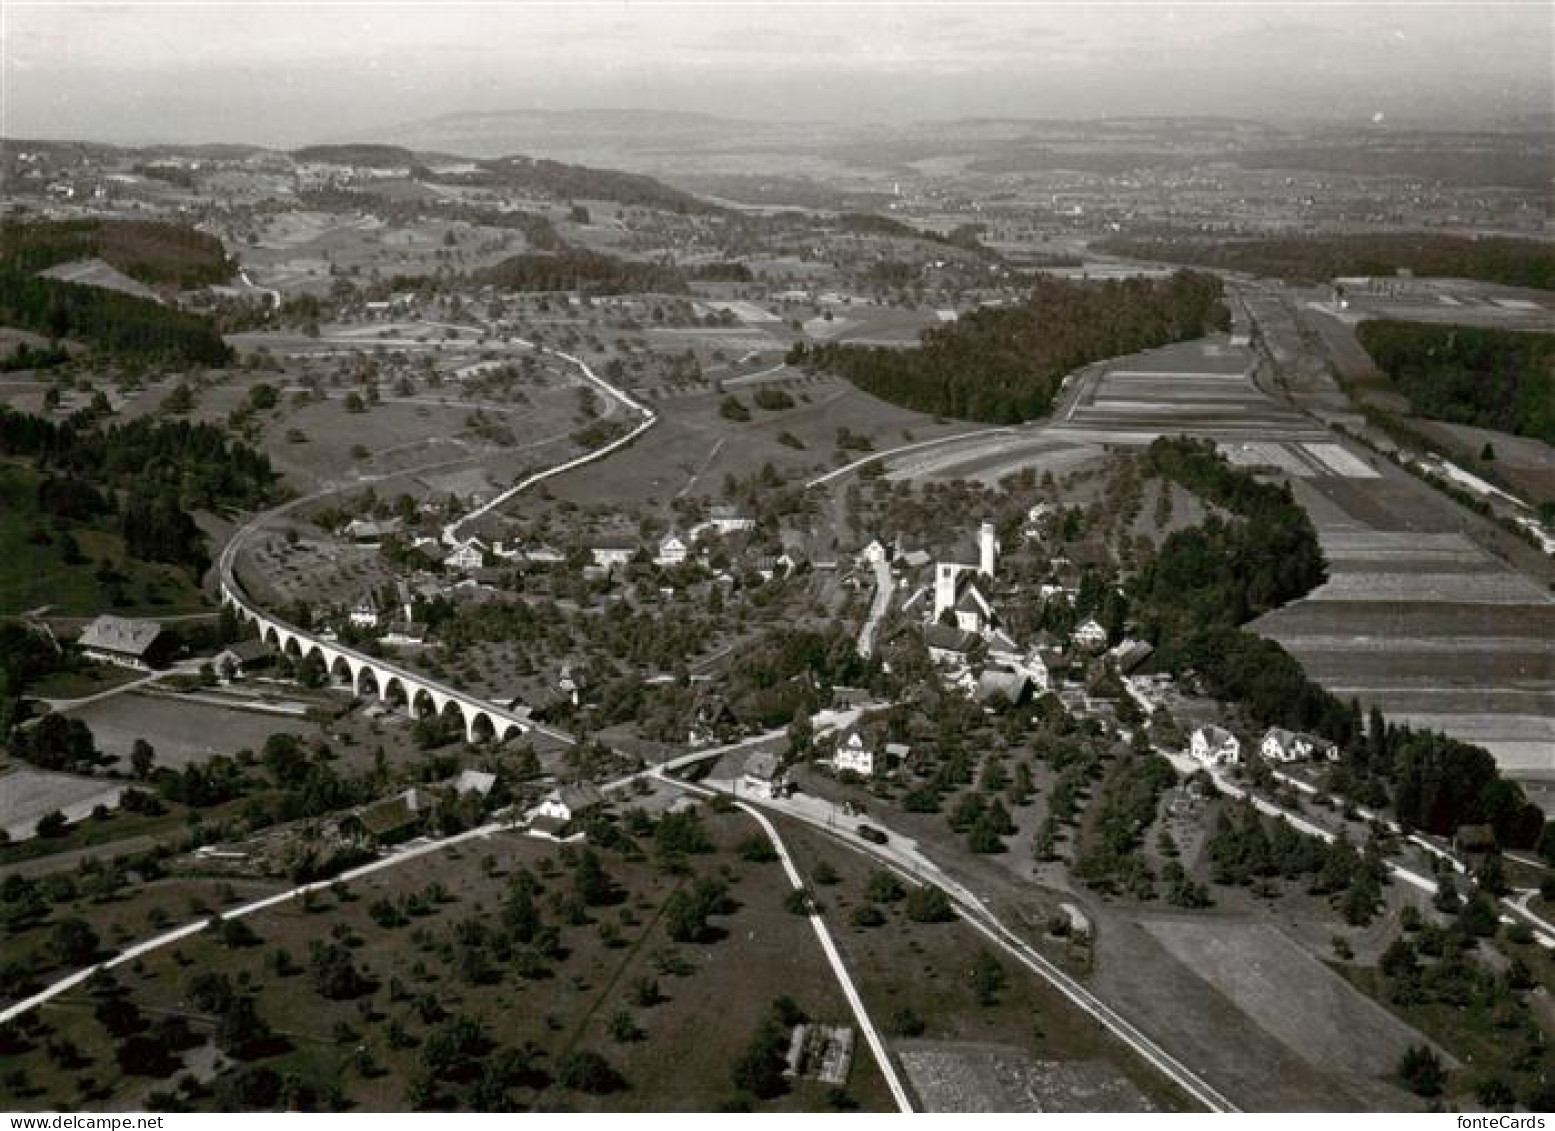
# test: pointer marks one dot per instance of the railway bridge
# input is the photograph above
(372, 675)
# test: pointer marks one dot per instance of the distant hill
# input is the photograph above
(501, 132)
(580, 182)
(367, 155)
(1318, 258)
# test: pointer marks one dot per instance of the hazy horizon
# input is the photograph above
(273, 74)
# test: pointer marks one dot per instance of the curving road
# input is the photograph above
(233, 589)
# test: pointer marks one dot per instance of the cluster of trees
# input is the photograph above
(774, 678)
(587, 272)
(145, 457)
(152, 251)
(1499, 379)
(1226, 571)
(1107, 856)
(139, 479)
(1435, 974)
(25, 655)
(1316, 259)
(33, 357)
(1005, 364)
(116, 324)
(1247, 850)
(1205, 580)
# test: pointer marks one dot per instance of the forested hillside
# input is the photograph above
(1004, 364)
(140, 479)
(1496, 379)
(148, 250)
(1316, 259)
(112, 323)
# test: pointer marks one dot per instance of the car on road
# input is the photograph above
(872, 834)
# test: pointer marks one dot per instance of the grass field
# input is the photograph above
(179, 729)
(711, 993)
(917, 980)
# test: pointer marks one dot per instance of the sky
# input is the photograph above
(286, 74)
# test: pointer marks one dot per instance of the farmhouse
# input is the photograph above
(1281, 745)
(1215, 745)
(568, 803)
(371, 530)
(540, 555)
(137, 644)
(388, 821)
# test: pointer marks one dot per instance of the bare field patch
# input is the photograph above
(26, 795)
(951, 1077)
(1500, 588)
(181, 730)
(1290, 994)
(1198, 1021)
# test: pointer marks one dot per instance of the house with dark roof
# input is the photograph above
(235, 660)
(569, 802)
(140, 644)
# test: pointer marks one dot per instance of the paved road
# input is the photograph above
(903, 855)
(848, 469)
(829, 947)
(884, 587)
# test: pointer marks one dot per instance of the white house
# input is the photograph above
(1090, 634)
(568, 803)
(763, 777)
(467, 555)
(672, 550)
(371, 530)
(1281, 745)
(541, 555)
(612, 555)
(1215, 746)
(365, 613)
(973, 612)
(728, 520)
(852, 754)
